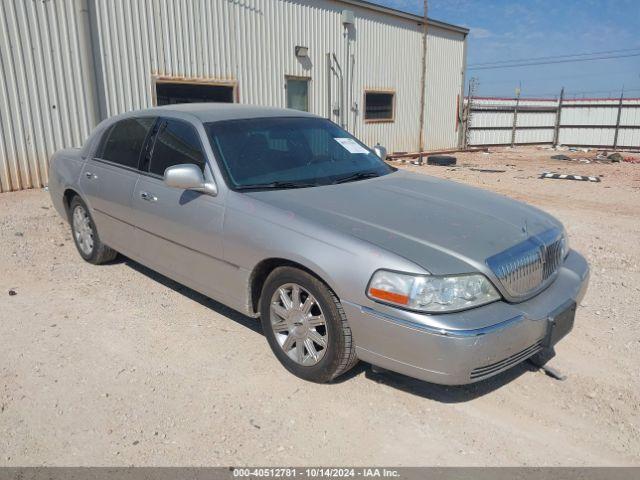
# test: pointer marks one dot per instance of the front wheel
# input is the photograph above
(305, 326)
(85, 234)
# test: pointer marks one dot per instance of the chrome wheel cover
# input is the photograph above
(82, 230)
(299, 324)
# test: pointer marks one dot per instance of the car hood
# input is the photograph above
(443, 226)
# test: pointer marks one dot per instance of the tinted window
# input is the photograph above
(123, 142)
(288, 149)
(378, 106)
(176, 143)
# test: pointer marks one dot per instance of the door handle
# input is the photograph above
(91, 176)
(148, 197)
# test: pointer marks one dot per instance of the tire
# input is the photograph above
(85, 234)
(441, 160)
(330, 361)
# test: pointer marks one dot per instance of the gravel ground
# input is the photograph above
(116, 365)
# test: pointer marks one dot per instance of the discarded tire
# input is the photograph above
(441, 160)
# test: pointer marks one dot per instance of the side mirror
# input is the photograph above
(188, 177)
(380, 151)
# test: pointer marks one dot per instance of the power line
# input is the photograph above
(576, 93)
(552, 57)
(555, 62)
(560, 77)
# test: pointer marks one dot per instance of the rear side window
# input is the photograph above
(176, 143)
(124, 140)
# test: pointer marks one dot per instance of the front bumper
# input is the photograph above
(447, 349)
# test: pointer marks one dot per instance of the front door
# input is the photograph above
(179, 232)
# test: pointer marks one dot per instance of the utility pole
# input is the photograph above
(515, 117)
(423, 79)
(615, 136)
(556, 131)
(473, 86)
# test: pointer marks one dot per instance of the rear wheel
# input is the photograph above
(85, 234)
(305, 325)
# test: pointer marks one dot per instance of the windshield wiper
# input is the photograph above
(356, 176)
(273, 185)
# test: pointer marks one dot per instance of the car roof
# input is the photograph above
(213, 112)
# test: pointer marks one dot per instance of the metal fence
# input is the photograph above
(585, 122)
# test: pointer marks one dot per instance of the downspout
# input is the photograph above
(342, 121)
(423, 80)
(95, 59)
(347, 93)
(461, 132)
(329, 68)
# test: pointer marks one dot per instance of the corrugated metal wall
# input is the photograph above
(55, 84)
(138, 42)
(46, 96)
(586, 122)
(445, 80)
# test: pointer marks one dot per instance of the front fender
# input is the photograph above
(255, 231)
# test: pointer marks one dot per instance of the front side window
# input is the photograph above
(378, 106)
(124, 140)
(296, 151)
(176, 143)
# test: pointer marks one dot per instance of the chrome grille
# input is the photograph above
(530, 265)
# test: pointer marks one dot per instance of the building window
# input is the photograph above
(379, 106)
(168, 93)
(298, 93)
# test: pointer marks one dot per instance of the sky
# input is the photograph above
(512, 30)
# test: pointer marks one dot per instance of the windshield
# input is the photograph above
(290, 152)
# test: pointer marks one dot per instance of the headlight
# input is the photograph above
(565, 245)
(430, 293)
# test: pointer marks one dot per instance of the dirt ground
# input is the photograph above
(116, 365)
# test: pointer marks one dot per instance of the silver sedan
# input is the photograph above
(284, 216)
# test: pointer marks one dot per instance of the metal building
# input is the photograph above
(67, 64)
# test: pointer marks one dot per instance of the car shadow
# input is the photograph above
(248, 322)
(431, 391)
(448, 393)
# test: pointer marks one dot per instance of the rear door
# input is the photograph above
(108, 180)
(179, 232)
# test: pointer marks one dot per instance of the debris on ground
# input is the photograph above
(564, 176)
(602, 157)
(441, 160)
(487, 170)
(12, 292)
